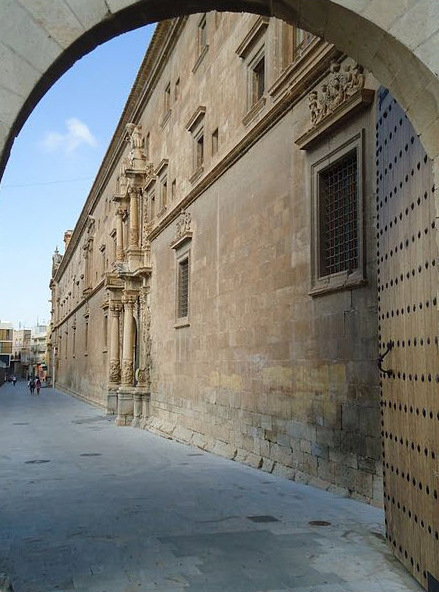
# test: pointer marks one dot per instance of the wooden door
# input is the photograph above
(408, 330)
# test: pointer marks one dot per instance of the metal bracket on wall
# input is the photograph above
(390, 346)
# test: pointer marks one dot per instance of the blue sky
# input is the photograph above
(52, 166)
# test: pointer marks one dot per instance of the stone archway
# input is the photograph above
(396, 42)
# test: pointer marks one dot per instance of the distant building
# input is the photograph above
(21, 353)
(6, 342)
(38, 350)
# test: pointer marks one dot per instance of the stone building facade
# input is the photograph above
(220, 284)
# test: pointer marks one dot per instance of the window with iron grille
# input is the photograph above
(338, 208)
(337, 217)
(183, 288)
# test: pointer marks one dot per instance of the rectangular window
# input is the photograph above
(183, 289)
(147, 145)
(301, 41)
(202, 35)
(167, 98)
(86, 338)
(337, 218)
(105, 331)
(164, 192)
(338, 207)
(258, 80)
(174, 189)
(195, 126)
(215, 142)
(199, 150)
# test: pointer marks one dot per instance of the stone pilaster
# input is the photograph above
(114, 367)
(134, 217)
(125, 402)
(119, 234)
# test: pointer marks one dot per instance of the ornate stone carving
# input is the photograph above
(120, 268)
(122, 181)
(141, 376)
(127, 372)
(114, 371)
(115, 307)
(183, 225)
(129, 300)
(342, 83)
(136, 157)
(147, 253)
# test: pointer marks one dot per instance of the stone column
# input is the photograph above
(127, 344)
(114, 370)
(143, 373)
(119, 234)
(134, 217)
(125, 402)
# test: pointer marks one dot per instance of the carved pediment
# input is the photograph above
(340, 95)
(183, 231)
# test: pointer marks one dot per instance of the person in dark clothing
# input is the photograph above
(32, 386)
(38, 385)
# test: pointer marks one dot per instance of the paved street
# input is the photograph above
(90, 507)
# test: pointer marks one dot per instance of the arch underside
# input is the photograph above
(39, 45)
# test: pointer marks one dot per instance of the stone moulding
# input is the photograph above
(344, 111)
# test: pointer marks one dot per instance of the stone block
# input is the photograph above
(301, 430)
(309, 464)
(326, 470)
(199, 440)
(282, 471)
(344, 458)
(351, 414)
(367, 464)
(319, 483)
(267, 465)
(370, 421)
(377, 490)
(225, 450)
(305, 446)
(182, 434)
(320, 450)
(281, 454)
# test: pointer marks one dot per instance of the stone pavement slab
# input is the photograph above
(87, 506)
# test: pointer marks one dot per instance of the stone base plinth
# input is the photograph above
(112, 400)
(125, 406)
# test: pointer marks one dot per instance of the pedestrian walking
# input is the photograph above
(38, 385)
(14, 380)
(32, 386)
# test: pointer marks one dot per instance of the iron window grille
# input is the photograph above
(183, 288)
(338, 206)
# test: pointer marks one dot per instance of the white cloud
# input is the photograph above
(78, 133)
